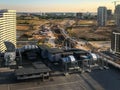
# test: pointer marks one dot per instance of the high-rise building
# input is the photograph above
(117, 15)
(109, 14)
(102, 16)
(115, 41)
(7, 27)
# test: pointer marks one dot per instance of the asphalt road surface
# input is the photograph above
(96, 80)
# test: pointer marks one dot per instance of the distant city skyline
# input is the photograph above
(56, 5)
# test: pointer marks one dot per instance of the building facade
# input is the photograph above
(117, 15)
(102, 16)
(7, 27)
(115, 41)
(79, 15)
(109, 14)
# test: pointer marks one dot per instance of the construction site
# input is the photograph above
(62, 54)
(56, 60)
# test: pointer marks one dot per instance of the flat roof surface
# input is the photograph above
(117, 30)
(96, 80)
(37, 67)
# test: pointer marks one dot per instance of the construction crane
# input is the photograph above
(115, 3)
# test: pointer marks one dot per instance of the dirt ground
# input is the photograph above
(77, 28)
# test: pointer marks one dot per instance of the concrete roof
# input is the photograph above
(96, 80)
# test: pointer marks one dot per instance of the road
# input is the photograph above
(79, 43)
(52, 39)
(96, 80)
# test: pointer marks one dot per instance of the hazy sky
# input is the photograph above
(56, 5)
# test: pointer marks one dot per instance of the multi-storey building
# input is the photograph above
(102, 16)
(109, 14)
(7, 27)
(117, 15)
(115, 41)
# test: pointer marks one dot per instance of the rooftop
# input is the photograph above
(96, 80)
(116, 30)
(6, 10)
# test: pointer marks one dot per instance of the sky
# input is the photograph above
(56, 5)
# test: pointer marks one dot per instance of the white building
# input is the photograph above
(117, 15)
(102, 16)
(115, 41)
(7, 27)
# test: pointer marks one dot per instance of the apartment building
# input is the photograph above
(102, 16)
(115, 41)
(7, 27)
(117, 15)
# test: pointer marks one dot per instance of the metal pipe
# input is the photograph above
(112, 63)
(109, 61)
